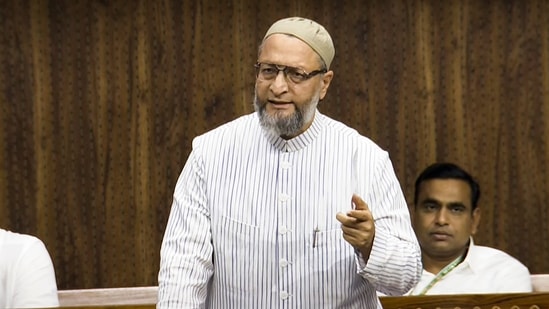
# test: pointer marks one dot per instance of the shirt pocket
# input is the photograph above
(235, 243)
(333, 262)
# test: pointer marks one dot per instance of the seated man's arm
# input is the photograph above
(34, 275)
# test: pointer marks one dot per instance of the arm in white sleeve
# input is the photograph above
(186, 255)
(514, 277)
(394, 265)
(35, 284)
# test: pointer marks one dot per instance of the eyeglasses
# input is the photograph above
(269, 71)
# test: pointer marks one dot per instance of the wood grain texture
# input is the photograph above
(100, 101)
(477, 301)
(146, 295)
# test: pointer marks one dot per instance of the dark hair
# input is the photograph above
(448, 171)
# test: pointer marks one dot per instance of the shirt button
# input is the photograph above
(285, 165)
(283, 263)
(284, 295)
(283, 230)
(283, 197)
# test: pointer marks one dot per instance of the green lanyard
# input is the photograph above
(443, 273)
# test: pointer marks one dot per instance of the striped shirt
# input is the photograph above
(253, 222)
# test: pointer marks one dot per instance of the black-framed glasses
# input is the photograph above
(269, 71)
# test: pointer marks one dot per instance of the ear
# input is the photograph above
(325, 83)
(476, 220)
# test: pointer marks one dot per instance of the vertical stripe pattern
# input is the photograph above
(253, 222)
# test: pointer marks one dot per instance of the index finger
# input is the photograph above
(359, 203)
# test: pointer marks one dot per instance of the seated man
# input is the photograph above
(445, 216)
(27, 277)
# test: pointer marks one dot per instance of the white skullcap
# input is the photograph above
(310, 32)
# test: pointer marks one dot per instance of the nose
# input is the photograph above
(441, 217)
(279, 84)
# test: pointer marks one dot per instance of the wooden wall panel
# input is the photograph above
(100, 100)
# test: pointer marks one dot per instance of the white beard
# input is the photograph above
(290, 125)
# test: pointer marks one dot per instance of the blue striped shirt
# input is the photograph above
(253, 222)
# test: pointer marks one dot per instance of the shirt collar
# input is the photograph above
(470, 259)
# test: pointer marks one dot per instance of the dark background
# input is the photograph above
(100, 100)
